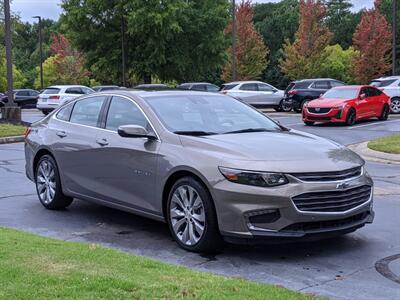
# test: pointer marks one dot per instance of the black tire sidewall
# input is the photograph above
(211, 240)
(385, 113)
(351, 112)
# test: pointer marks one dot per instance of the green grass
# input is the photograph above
(33, 267)
(11, 130)
(389, 144)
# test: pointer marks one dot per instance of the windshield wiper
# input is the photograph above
(250, 130)
(194, 132)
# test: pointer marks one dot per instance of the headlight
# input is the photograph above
(340, 107)
(264, 179)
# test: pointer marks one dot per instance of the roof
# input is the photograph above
(147, 94)
(65, 86)
(315, 79)
(191, 83)
(387, 78)
(244, 81)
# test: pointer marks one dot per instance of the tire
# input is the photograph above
(45, 112)
(309, 123)
(300, 109)
(278, 108)
(186, 193)
(395, 105)
(284, 108)
(385, 113)
(48, 184)
(351, 117)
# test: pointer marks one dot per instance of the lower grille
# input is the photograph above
(318, 118)
(329, 176)
(318, 110)
(334, 201)
(331, 224)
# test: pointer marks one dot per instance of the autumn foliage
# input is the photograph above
(302, 57)
(373, 40)
(251, 52)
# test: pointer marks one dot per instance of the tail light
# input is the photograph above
(54, 97)
(28, 130)
(292, 92)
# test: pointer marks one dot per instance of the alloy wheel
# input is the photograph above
(395, 106)
(46, 182)
(187, 215)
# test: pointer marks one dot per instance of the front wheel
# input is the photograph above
(351, 117)
(385, 113)
(395, 106)
(48, 184)
(191, 217)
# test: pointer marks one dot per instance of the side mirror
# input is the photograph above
(135, 131)
(363, 96)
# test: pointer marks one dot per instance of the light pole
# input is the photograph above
(40, 49)
(123, 61)
(10, 112)
(233, 40)
(394, 51)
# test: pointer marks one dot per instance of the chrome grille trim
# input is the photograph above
(329, 176)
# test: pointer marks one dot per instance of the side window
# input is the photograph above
(322, 85)
(199, 87)
(212, 88)
(87, 111)
(265, 88)
(74, 90)
(22, 93)
(89, 91)
(124, 112)
(33, 93)
(364, 91)
(65, 113)
(249, 87)
(336, 83)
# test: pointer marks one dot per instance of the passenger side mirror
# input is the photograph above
(363, 96)
(135, 131)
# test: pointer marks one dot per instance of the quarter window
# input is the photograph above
(124, 112)
(87, 111)
(65, 113)
(265, 88)
(75, 90)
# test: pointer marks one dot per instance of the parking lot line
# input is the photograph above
(371, 124)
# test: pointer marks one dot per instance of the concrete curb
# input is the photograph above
(12, 139)
(372, 155)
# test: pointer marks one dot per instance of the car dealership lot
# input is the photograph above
(343, 268)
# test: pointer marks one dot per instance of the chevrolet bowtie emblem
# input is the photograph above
(342, 186)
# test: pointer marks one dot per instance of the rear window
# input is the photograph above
(382, 83)
(226, 87)
(302, 85)
(51, 91)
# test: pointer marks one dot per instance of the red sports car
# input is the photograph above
(347, 104)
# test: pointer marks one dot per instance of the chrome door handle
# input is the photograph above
(61, 134)
(102, 142)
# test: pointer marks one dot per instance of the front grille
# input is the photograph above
(327, 225)
(314, 110)
(333, 201)
(329, 176)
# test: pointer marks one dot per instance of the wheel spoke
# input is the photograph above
(176, 213)
(183, 195)
(178, 201)
(178, 224)
(192, 237)
(185, 234)
(198, 227)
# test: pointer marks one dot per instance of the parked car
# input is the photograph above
(347, 104)
(210, 166)
(152, 87)
(102, 88)
(199, 86)
(255, 93)
(24, 98)
(55, 95)
(391, 87)
(301, 91)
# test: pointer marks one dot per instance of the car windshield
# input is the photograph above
(208, 114)
(347, 93)
(382, 83)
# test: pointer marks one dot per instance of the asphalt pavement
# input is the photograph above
(361, 265)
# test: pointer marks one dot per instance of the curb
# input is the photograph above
(12, 139)
(372, 155)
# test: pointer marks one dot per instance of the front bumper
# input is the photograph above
(234, 203)
(335, 115)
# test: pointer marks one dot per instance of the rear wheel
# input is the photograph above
(48, 184)
(395, 106)
(351, 117)
(191, 217)
(309, 123)
(45, 112)
(385, 113)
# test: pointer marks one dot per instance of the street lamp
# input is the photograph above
(41, 49)
(233, 40)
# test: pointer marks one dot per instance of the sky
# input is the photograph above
(51, 8)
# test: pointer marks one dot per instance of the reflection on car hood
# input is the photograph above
(291, 151)
(323, 102)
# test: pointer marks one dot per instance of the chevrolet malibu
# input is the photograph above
(211, 167)
(347, 104)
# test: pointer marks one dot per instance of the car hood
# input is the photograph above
(289, 151)
(322, 102)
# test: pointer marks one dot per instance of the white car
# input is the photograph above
(391, 87)
(256, 93)
(55, 95)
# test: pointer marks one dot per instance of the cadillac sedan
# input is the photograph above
(211, 167)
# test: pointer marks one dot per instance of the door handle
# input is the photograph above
(61, 134)
(102, 142)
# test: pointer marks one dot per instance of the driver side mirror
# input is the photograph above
(135, 131)
(363, 96)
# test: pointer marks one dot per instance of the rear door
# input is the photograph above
(268, 95)
(374, 101)
(74, 130)
(248, 92)
(127, 172)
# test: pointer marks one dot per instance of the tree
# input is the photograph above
(387, 10)
(341, 21)
(337, 63)
(373, 39)
(251, 52)
(301, 58)
(276, 22)
(179, 39)
(19, 79)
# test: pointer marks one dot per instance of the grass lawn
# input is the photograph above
(390, 144)
(33, 267)
(11, 130)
